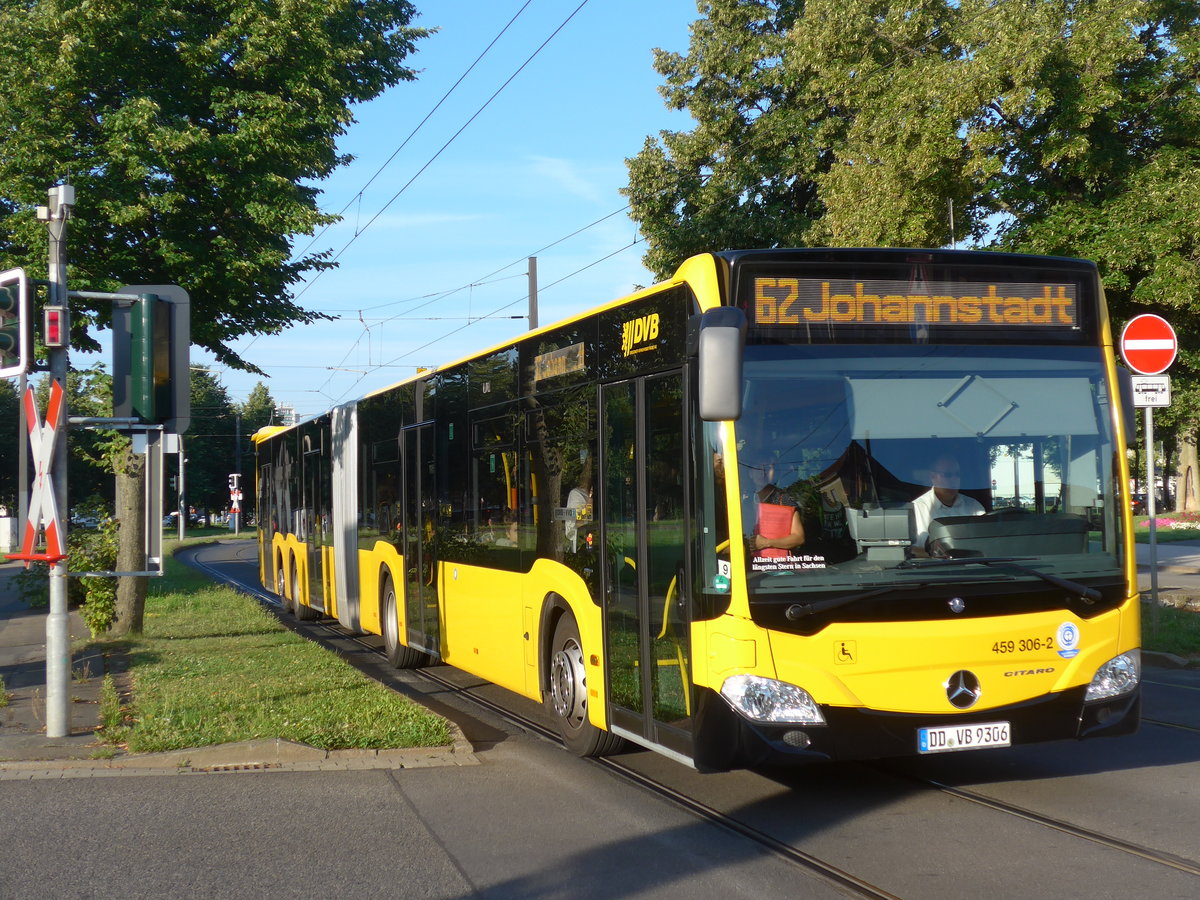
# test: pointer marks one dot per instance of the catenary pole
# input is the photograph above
(533, 292)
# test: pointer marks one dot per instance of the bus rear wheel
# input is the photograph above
(299, 610)
(567, 696)
(281, 587)
(399, 655)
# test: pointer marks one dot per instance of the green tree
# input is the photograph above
(746, 174)
(210, 443)
(1053, 126)
(90, 451)
(194, 134)
(10, 437)
(257, 412)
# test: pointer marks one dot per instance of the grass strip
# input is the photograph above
(1178, 632)
(213, 666)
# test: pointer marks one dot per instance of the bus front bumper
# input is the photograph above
(724, 739)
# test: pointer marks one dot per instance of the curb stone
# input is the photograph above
(272, 755)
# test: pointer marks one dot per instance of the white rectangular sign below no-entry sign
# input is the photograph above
(1151, 390)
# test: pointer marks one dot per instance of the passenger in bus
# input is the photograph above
(509, 538)
(942, 499)
(580, 501)
(777, 526)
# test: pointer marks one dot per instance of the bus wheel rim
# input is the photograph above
(392, 631)
(568, 685)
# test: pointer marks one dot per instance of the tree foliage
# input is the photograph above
(210, 444)
(1065, 127)
(1053, 126)
(745, 175)
(10, 434)
(193, 134)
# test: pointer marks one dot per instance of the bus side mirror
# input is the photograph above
(720, 338)
(1129, 413)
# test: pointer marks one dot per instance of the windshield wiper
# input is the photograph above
(798, 611)
(1090, 594)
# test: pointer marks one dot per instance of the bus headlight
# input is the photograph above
(771, 702)
(1119, 675)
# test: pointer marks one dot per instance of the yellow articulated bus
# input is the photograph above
(788, 505)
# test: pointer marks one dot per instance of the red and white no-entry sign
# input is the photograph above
(1148, 344)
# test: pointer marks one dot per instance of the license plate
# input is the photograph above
(963, 737)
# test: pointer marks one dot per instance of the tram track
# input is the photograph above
(780, 849)
(813, 865)
(807, 862)
(1060, 825)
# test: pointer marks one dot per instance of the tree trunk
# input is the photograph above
(1187, 487)
(131, 553)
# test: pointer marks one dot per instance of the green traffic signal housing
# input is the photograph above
(16, 324)
(151, 355)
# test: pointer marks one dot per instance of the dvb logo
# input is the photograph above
(639, 331)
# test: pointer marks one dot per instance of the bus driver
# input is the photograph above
(943, 499)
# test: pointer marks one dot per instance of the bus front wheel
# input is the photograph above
(567, 696)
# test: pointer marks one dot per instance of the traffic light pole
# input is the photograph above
(58, 632)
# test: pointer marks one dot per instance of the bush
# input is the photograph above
(96, 596)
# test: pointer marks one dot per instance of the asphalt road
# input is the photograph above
(1106, 818)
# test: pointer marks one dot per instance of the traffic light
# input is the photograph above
(16, 323)
(151, 344)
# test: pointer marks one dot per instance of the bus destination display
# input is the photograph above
(804, 301)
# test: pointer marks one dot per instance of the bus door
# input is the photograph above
(643, 460)
(420, 533)
(316, 515)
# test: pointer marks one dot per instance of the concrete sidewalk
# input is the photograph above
(23, 668)
(1178, 573)
(1179, 556)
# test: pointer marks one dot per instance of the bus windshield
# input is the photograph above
(908, 468)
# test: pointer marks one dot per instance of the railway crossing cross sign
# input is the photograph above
(1148, 344)
(43, 509)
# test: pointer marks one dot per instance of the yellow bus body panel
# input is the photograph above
(287, 551)
(483, 613)
(904, 666)
(381, 557)
(483, 608)
(480, 611)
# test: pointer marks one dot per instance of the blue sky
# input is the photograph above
(545, 158)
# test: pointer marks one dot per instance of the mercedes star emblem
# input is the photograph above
(962, 689)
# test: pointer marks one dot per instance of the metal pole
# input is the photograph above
(58, 631)
(22, 457)
(237, 516)
(1150, 504)
(533, 288)
(182, 495)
